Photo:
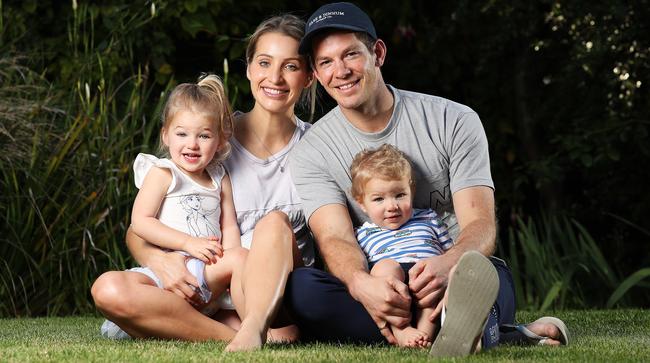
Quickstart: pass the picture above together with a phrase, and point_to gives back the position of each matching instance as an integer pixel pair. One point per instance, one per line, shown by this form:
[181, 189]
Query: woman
[265, 198]
[268, 212]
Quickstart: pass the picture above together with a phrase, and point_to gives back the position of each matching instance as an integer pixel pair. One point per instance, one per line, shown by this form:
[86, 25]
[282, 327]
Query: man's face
[346, 69]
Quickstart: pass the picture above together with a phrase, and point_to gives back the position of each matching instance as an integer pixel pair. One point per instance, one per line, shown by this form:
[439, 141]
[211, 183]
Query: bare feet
[251, 336]
[550, 331]
[411, 338]
[286, 334]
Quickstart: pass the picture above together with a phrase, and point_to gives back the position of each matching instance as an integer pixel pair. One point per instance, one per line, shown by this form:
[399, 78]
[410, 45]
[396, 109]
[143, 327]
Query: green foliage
[630, 282]
[557, 264]
[66, 191]
[66, 203]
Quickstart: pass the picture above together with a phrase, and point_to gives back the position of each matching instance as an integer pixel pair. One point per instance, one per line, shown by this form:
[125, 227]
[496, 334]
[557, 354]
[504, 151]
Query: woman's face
[277, 73]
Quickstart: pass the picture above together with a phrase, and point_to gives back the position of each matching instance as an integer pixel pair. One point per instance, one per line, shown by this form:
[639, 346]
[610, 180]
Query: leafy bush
[557, 264]
[66, 187]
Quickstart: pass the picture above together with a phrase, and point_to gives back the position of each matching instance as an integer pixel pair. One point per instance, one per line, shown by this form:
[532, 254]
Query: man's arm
[474, 209]
[385, 298]
[169, 267]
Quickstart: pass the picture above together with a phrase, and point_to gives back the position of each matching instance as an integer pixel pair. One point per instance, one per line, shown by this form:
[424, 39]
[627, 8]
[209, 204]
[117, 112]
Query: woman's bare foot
[411, 338]
[251, 336]
[286, 334]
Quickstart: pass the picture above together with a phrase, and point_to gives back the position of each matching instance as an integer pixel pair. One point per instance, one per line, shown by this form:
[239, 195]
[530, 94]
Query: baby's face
[388, 203]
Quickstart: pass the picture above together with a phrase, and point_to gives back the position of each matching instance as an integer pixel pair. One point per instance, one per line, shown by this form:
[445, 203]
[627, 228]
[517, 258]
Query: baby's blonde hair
[385, 162]
[207, 97]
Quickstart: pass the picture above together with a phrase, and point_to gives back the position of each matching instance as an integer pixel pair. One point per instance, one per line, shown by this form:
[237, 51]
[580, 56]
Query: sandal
[471, 293]
[520, 334]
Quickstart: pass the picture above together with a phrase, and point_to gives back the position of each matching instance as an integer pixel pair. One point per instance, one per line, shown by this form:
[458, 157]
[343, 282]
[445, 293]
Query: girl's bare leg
[407, 336]
[219, 275]
[272, 256]
[132, 301]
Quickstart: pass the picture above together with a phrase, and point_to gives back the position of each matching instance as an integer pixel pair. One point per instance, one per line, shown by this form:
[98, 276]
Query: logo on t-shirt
[403, 233]
[440, 198]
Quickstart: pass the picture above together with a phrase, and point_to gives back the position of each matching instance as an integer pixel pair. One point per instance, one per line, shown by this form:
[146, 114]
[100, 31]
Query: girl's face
[193, 141]
[277, 73]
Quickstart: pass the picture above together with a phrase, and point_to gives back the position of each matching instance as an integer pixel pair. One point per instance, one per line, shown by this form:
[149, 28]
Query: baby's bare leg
[408, 336]
[425, 325]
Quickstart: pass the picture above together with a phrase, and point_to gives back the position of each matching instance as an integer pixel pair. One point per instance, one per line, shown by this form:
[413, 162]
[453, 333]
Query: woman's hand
[171, 270]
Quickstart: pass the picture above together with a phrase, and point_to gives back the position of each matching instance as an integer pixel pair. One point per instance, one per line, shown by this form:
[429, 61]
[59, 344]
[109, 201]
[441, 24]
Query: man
[446, 143]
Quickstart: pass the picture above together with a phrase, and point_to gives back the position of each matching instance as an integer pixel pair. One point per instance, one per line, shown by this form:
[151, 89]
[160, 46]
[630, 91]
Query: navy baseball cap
[346, 16]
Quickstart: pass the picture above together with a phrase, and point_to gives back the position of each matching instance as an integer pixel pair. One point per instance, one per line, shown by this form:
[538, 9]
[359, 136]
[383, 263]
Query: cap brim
[305, 43]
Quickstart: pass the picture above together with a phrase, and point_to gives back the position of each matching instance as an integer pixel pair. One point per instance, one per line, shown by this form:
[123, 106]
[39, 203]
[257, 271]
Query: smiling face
[388, 203]
[277, 73]
[192, 142]
[348, 71]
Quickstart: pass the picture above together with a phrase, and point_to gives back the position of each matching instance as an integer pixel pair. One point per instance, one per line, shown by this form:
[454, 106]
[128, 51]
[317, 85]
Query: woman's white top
[260, 186]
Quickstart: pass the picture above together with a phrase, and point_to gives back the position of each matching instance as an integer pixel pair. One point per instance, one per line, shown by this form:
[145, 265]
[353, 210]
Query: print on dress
[197, 222]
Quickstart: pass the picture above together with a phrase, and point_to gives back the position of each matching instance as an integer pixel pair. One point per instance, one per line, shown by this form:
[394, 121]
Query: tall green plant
[66, 200]
[557, 264]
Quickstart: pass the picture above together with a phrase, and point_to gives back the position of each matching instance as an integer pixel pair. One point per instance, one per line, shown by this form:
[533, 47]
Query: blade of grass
[627, 284]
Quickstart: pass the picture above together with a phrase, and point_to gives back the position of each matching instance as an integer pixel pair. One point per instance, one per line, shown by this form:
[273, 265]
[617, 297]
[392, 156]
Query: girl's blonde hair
[294, 27]
[207, 98]
[386, 162]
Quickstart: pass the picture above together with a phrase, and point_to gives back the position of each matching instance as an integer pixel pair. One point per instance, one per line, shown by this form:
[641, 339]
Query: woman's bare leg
[228, 317]
[132, 301]
[271, 257]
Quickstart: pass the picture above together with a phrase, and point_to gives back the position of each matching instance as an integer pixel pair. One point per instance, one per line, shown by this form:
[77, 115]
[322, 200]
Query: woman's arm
[169, 267]
[230, 233]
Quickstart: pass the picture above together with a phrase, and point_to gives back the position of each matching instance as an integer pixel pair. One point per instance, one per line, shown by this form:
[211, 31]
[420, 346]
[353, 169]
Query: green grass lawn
[606, 336]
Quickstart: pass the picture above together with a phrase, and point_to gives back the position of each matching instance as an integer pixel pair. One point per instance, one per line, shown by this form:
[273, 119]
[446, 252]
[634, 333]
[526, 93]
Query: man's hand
[172, 272]
[428, 279]
[386, 299]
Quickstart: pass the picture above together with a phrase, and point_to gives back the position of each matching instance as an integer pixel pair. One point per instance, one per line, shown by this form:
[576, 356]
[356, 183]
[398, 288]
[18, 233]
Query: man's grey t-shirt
[444, 141]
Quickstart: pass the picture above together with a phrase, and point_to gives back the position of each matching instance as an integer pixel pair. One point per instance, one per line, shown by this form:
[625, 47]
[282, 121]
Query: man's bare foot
[411, 338]
[286, 334]
[251, 336]
[549, 331]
